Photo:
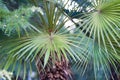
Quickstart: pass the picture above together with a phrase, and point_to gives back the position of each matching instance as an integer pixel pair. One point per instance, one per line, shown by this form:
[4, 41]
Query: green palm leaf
[51, 44]
[102, 24]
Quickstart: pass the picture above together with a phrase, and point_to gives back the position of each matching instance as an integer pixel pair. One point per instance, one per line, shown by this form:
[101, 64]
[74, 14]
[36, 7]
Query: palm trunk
[59, 71]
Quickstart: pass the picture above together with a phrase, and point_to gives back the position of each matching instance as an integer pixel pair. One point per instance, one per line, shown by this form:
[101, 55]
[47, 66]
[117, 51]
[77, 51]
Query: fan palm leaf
[102, 24]
[51, 43]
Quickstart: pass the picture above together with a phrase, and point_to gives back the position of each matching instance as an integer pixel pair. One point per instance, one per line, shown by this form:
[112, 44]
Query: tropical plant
[36, 34]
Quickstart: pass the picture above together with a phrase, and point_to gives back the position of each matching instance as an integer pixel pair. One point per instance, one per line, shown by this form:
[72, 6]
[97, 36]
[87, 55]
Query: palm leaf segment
[103, 26]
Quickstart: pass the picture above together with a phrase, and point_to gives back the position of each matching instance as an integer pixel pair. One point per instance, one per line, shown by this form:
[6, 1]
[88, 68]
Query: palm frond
[102, 24]
[50, 45]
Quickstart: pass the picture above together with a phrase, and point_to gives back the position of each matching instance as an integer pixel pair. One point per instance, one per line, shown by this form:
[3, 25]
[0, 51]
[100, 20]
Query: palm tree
[38, 35]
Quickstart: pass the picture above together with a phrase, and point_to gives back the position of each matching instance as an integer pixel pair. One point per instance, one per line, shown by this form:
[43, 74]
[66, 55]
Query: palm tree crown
[37, 33]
